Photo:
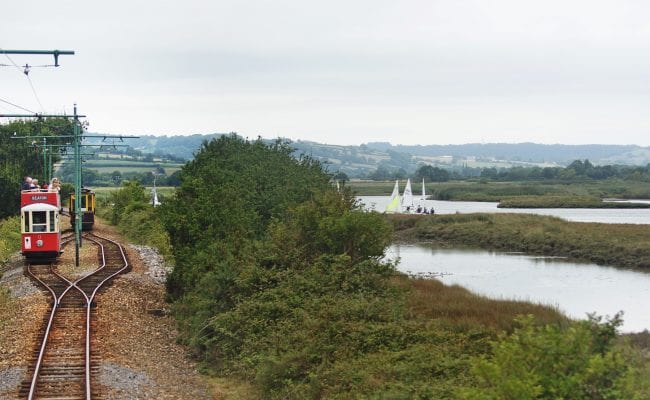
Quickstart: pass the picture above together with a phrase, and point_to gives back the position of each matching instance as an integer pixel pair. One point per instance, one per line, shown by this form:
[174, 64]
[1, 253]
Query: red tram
[39, 224]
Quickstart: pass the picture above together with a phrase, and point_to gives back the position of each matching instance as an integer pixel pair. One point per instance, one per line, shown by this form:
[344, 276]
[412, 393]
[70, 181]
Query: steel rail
[55, 304]
[89, 297]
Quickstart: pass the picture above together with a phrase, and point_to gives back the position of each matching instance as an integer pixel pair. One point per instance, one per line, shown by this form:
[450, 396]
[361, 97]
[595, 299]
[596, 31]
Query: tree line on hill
[91, 177]
[577, 170]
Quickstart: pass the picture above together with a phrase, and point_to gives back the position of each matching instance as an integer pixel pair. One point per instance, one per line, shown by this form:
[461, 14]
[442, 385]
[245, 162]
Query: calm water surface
[577, 289]
[608, 216]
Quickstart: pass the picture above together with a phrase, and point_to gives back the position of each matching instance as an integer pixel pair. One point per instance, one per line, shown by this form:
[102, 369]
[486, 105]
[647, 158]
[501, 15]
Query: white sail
[424, 195]
[154, 197]
[407, 198]
[394, 205]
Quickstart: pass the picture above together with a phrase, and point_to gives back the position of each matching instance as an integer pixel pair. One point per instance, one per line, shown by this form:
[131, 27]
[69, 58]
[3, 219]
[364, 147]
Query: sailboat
[407, 198]
[154, 194]
[394, 205]
[424, 195]
[154, 198]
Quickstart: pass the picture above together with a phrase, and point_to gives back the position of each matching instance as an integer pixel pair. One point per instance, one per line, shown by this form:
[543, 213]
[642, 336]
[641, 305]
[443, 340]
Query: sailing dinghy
[394, 206]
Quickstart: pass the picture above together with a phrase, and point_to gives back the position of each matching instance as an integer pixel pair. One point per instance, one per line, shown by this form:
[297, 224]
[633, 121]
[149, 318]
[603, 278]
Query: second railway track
[65, 364]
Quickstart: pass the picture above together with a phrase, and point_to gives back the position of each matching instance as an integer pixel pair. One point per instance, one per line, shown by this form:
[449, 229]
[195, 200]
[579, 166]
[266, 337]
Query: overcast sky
[341, 72]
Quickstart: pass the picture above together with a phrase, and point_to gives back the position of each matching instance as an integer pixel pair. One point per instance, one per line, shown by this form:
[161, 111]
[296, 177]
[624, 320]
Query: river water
[576, 289]
[604, 215]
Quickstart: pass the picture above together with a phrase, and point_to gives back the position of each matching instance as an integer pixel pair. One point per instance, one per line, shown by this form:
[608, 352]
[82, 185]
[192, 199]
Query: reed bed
[619, 245]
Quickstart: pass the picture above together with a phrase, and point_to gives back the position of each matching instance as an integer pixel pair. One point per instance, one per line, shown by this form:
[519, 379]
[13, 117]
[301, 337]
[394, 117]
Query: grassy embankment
[9, 237]
[9, 244]
[584, 194]
[621, 245]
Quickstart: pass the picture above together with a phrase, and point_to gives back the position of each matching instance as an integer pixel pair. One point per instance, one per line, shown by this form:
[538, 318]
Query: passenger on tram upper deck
[34, 185]
[55, 185]
[27, 183]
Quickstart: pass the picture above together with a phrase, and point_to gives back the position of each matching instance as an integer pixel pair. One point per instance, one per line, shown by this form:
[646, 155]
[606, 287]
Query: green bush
[9, 237]
[552, 362]
[136, 218]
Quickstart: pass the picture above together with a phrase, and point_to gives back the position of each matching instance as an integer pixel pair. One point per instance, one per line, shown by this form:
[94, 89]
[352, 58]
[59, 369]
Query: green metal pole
[44, 159]
[77, 185]
[50, 170]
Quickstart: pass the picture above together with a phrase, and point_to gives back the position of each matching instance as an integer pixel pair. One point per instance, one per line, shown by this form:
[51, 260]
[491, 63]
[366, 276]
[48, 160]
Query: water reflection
[574, 288]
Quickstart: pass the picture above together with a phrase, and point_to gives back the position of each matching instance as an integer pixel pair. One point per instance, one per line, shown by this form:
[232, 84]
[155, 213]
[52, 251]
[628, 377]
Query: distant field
[125, 169]
[125, 166]
[102, 193]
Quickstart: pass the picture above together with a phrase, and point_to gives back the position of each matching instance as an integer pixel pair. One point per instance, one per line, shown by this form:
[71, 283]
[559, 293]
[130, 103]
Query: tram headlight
[39, 243]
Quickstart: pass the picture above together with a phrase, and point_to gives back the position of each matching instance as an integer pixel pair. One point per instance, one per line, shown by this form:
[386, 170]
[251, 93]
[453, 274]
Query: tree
[233, 189]
[432, 174]
[380, 174]
[341, 176]
[20, 157]
[131, 195]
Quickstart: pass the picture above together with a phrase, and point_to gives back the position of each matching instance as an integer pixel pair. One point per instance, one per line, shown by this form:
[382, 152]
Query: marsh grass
[461, 309]
[550, 201]
[620, 245]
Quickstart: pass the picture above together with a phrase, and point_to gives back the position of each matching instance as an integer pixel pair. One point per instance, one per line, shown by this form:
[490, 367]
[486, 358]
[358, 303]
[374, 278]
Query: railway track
[64, 364]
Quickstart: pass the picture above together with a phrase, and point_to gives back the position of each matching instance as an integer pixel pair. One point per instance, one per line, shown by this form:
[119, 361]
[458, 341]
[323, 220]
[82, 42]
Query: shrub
[551, 362]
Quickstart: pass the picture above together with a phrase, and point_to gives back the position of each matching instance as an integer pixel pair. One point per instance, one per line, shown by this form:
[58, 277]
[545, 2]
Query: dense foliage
[577, 362]
[230, 193]
[20, 157]
[130, 209]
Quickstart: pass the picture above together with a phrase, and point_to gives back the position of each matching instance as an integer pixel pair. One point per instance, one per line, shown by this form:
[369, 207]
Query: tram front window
[39, 221]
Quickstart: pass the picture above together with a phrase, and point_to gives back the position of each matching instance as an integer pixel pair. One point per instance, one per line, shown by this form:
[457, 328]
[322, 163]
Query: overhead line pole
[77, 184]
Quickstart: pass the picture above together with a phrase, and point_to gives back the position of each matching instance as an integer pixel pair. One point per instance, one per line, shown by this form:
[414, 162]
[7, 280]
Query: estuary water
[576, 289]
[603, 215]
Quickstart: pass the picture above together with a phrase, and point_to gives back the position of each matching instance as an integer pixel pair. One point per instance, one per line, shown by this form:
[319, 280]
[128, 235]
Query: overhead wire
[25, 72]
[35, 94]
[17, 106]
[12, 62]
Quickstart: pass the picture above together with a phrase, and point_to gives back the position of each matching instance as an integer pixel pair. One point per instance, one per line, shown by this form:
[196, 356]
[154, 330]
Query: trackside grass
[9, 238]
